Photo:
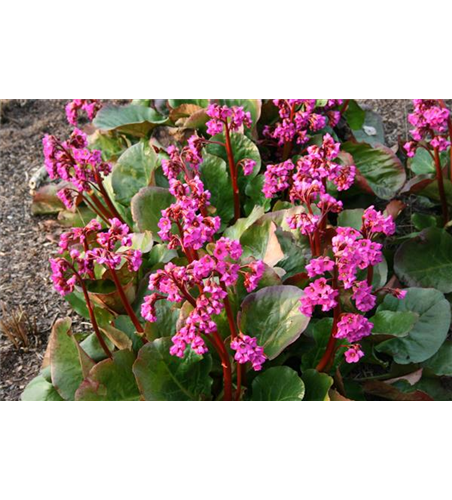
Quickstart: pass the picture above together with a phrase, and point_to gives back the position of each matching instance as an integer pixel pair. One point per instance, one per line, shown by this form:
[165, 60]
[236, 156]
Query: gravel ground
[26, 242]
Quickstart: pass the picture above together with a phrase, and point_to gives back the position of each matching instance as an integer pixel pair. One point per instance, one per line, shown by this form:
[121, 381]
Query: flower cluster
[210, 276]
[234, 118]
[299, 117]
[353, 251]
[430, 122]
[185, 161]
[89, 246]
[73, 162]
[89, 106]
[248, 351]
[189, 215]
[307, 180]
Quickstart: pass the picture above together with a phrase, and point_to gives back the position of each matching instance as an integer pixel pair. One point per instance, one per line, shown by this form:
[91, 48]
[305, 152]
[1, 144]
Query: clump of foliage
[247, 250]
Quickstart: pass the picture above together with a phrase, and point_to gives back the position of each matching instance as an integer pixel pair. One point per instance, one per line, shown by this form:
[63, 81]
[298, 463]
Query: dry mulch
[27, 242]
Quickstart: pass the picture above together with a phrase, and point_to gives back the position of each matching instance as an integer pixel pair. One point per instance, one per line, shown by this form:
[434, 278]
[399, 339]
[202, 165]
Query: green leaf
[422, 162]
[39, 389]
[429, 331]
[215, 176]
[273, 316]
[65, 361]
[426, 260]
[147, 208]
[355, 115]
[351, 218]
[296, 253]
[260, 241]
[134, 120]
[423, 221]
[133, 171]
[162, 377]
[432, 191]
[380, 167]
[441, 363]
[235, 232]
[317, 385]
[167, 317]
[175, 103]
[93, 349]
[254, 190]
[395, 323]
[280, 383]
[111, 380]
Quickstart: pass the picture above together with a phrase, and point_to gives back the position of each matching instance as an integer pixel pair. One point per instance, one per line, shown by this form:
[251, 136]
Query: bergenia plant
[432, 132]
[243, 250]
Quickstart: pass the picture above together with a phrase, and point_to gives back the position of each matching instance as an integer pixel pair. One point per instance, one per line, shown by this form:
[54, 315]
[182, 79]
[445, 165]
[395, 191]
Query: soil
[27, 242]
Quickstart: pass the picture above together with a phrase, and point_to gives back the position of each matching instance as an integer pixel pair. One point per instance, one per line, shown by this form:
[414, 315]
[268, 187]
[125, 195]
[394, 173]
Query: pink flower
[225, 248]
[306, 223]
[60, 277]
[362, 295]
[354, 354]
[90, 106]
[248, 166]
[318, 293]
[68, 197]
[148, 307]
[318, 267]
[277, 178]
[353, 327]
[253, 277]
[247, 351]
[374, 222]
[235, 117]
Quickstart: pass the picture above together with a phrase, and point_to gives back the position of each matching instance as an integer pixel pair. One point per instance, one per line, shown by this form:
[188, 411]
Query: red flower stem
[92, 316]
[226, 365]
[442, 193]
[98, 208]
[106, 198]
[126, 303]
[328, 358]
[443, 105]
[370, 275]
[241, 371]
[345, 106]
[230, 315]
[92, 207]
[233, 171]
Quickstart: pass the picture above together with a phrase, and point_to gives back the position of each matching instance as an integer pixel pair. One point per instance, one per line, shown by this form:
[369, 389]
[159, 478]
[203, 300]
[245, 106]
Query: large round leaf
[40, 389]
[133, 171]
[133, 120]
[427, 334]
[426, 260]
[162, 377]
[273, 316]
[441, 363]
[147, 208]
[68, 361]
[111, 380]
[380, 167]
[280, 383]
[317, 385]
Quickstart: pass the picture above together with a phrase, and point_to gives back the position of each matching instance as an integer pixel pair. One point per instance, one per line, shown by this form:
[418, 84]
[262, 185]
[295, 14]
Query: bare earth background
[27, 242]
